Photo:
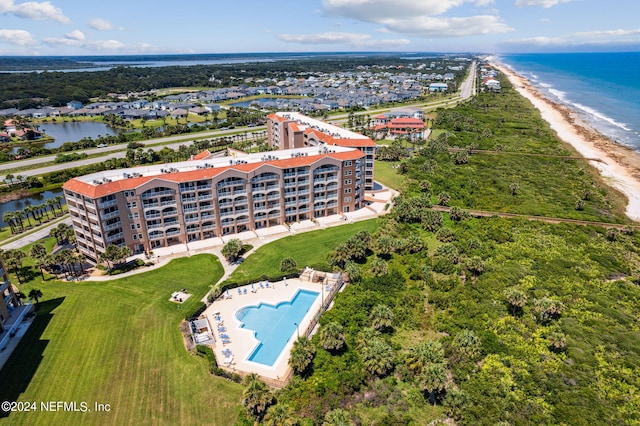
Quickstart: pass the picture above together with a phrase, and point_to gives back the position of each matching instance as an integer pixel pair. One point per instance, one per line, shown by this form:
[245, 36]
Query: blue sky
[82, 27]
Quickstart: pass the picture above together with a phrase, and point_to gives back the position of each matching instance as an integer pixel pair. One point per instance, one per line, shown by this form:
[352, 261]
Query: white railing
[105, 204]
[106, 216]
[157, 193]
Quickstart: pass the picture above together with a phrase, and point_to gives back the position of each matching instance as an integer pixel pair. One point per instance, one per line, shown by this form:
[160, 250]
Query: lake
[260, 101]
[34, 200]
[73, 132]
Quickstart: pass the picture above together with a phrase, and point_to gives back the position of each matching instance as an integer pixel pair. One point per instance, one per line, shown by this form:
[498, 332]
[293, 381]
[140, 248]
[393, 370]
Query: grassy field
[118, 343]
[387, 175]
[308, 248]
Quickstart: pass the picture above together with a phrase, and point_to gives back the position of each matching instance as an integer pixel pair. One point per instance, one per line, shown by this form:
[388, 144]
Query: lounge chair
[245, 291]
[222, 329]
[267, 284]
[239, 291]
[261, 285]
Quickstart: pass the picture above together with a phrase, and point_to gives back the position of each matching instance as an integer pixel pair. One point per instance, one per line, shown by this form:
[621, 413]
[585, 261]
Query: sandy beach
[620, 167]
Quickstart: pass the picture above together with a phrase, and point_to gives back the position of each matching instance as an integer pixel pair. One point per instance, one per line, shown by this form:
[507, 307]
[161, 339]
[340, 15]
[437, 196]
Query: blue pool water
[274, 326]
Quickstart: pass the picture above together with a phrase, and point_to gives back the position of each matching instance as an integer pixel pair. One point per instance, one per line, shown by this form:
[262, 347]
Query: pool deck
[243, 341]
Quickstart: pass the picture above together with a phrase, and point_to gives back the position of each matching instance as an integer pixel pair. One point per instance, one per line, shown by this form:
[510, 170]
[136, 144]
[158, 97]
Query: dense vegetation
[483, 320]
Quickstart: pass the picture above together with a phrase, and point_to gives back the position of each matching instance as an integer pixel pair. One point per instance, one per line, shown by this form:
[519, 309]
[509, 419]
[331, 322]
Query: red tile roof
[94, 191]
[202, 155]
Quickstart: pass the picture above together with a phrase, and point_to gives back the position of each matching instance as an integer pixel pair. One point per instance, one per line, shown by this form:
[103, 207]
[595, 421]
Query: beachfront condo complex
[154, 206]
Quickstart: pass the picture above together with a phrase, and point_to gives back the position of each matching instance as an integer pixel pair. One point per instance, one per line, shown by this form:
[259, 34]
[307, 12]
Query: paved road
[34, 236]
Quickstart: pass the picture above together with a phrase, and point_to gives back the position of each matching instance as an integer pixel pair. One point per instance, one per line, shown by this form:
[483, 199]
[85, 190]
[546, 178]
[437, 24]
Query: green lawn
[387, 175]
[309, 248]
[118, 343]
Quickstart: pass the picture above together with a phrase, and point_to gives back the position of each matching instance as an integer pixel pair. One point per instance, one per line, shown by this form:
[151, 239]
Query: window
[133, 227]
[348, 163]
[348, 181]
[347, 199]
[345, 209]
[136, 215]
[347, 172]
[135, 237]
[139, 236]
[347, 190]
[138, 225]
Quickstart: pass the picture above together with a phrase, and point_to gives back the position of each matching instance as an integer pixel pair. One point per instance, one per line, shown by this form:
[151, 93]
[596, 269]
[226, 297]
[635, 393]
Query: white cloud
[75, 40]
[374, 10]
[75, 35]
[542, 3]
[38, 11]
[419, 18]
[616, 33]
[426, 26]
[352, 39]
[103, 25]
[577, 40]
[17, 37]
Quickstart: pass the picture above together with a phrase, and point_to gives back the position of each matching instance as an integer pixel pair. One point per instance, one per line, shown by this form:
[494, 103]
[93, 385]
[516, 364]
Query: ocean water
[603, 88]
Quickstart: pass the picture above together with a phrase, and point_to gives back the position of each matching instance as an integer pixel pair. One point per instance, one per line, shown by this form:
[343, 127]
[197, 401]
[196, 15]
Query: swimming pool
[274, 326]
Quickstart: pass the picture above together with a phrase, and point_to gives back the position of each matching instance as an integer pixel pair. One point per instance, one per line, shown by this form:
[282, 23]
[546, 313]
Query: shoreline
[621, 165]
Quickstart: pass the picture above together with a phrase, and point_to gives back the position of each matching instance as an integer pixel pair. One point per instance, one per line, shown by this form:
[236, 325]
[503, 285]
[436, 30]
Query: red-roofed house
[414, 127]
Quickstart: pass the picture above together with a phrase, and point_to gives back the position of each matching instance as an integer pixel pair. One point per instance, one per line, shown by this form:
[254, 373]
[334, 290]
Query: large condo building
[163, 205]
[11, 309]
[288, 130]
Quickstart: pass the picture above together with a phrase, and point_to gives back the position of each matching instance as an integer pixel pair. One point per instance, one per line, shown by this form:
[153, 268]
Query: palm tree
[433, 379]
[38, 251]
[467, 344]
[332, 336]
[14, 258]
[41, 264]
[381, 317]
[256, 396]
[8, 179]
[35, 294]
[426, 352]
[58, 202]
[51, 203]
[301, 355]
[338, 417]
[516, 300]
[280, 415]
[25, 213]
[377, 357]
[9, 219]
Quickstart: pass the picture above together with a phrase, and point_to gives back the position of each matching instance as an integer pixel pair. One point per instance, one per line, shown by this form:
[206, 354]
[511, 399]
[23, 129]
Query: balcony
[156, 236]
[154, 226]
[205, 197]
[106, 216]
[273, 197]
[112, 226]
[172, 233]
[157, 194]
[191, 219]
[206, 227]
[149, 205]
[105, 204]
[239, 191]
[189, 210]
[115, 236]
[168, 203]
[290, 184]
[200, 187]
